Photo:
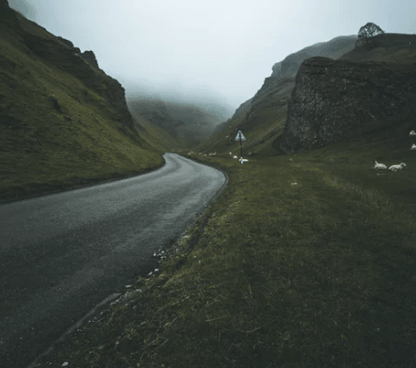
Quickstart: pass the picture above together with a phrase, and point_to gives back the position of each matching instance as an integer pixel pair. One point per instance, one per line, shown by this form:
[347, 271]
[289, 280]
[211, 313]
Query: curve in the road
[62, 254]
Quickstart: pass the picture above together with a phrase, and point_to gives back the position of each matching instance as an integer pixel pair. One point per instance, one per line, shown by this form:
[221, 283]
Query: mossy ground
[275, 274]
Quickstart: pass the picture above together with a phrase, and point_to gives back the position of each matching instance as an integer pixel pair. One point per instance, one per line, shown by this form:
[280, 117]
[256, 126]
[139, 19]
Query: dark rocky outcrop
[339, 99]
[89, 56]
[267, 109]
[62, 54]
[7, 15]
[270, 95]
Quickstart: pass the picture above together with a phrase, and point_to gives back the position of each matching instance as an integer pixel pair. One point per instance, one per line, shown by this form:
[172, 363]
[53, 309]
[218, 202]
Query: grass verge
[276, 274]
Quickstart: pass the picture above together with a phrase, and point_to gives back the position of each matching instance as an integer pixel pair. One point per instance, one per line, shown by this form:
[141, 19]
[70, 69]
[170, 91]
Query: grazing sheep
[397, 167]
[413, 148]
[412, 132]
[378, 166]
[235, 157]
[230, 153]
[212, 153]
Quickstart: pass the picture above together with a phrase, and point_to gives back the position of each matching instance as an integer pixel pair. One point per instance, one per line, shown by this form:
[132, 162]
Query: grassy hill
[188, 124]
[63, 122]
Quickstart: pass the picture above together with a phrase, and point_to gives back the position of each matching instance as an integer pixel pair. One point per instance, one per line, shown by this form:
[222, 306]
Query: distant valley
[188, 124]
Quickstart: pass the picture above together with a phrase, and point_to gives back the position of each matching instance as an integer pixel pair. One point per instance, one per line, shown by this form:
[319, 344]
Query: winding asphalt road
[61, 254]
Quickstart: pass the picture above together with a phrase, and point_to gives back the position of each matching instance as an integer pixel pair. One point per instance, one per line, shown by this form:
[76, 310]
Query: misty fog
[215, 52]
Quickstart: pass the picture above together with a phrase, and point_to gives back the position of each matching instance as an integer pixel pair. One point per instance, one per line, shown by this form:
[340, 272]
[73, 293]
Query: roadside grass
[275, 274]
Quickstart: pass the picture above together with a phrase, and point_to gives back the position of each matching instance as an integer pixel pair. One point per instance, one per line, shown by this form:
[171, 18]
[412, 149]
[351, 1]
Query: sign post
[240, 137]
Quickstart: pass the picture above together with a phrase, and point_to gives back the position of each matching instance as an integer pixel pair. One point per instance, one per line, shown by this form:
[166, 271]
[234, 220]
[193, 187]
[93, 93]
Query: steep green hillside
[158, 137]
[63, 122]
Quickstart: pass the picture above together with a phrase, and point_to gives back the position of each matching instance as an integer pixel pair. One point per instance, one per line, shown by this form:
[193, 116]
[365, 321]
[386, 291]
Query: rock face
[84, 66]
[338, 99]
[62, 54]
[284, 73]
[89, 56]
[7, 15]
[267, 109]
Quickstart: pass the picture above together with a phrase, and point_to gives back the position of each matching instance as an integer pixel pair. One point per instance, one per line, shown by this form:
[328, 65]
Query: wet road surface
[60, 255]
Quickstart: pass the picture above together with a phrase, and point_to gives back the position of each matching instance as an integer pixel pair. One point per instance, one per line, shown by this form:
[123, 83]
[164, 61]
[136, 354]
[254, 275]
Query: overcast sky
[219, 49]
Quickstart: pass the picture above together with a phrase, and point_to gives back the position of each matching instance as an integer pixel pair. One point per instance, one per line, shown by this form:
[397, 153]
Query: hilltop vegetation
[63, 122]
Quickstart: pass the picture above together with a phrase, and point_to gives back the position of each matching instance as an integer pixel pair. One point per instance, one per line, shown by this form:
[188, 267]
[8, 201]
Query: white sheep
[230, 153]
[235, 157]
[412, 133]
[378, 166]
[397, 167]
[413, 148]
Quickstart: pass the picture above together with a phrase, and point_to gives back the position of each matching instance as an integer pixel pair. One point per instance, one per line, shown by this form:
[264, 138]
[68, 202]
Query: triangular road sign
[240, 135]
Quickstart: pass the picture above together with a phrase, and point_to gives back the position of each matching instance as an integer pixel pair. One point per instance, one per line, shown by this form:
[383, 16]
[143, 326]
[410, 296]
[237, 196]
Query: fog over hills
[188, 123]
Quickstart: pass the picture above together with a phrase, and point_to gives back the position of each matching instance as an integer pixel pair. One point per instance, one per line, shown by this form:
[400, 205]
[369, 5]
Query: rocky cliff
[63, 55]
[340, 99]
[262, 117]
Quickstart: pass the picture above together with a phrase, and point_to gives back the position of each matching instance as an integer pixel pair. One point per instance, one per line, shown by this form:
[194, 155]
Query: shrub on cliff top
[366, 34]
